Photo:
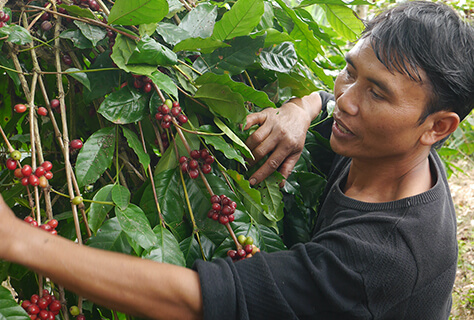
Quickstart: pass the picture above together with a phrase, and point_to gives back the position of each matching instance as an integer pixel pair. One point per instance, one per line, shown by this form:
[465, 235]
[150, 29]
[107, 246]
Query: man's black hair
[430, 36]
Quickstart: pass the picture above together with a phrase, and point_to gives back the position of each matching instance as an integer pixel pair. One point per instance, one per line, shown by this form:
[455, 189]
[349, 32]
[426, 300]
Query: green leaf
[240, 20]
[137, 147]
[259, 98]
[16, 34]
[172, 33]
[344, 21]
[300, 85]
[164, 83]
[167, 249]
[281, 58]
[272, 197]
[234, 60]
[335, 2]
[93, 33]
[233, 137]
[77, 11]
[103, 82]
[98, 211]
[122, 50]
[95, 156]
[150, 52]
[77, 38]
[191, 250]
[200, 21]
[9, 308]
[136, 12]
[135, 224]
[124, 106]
[206, 46]
[223, 101]
[121, 196]
[147, 29]
[220, 144]
[111, 237]
[81, 77]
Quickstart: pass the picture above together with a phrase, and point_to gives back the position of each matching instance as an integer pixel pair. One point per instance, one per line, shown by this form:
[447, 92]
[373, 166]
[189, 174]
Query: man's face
[377, 111]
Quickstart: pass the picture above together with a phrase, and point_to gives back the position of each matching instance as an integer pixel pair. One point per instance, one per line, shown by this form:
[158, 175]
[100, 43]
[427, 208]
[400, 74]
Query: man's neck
[384, 181]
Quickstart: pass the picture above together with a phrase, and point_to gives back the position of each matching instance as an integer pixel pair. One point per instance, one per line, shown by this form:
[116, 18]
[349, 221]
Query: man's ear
[440, 125]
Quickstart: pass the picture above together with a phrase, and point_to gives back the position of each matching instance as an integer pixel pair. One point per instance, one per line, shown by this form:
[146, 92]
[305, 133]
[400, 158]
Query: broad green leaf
[95, 156]
[240, 20]
[93, 33]
[101, 83]
[4, 61]
[135, 224]
[77, 11]
[223, 101]
[191, 250]
[268, 239]
[274, 37]
[335, 2]
[300, 86]
[172, 33]
[136, 145]
[124, 106]
[233, 137]
[121, 196]
[200, 21]
[219, 143]
[98, 211]
[147, 29]
[206, 46]
[167, 186]
[136, 12]
[233, 60]
[344, 21]
[80, 76]
[167, 249]
[16, 34]
[259, 98]
[281, 58]
[122, 50]
[110, 237]
[164, 83]
[150, 52]
[77, 38]
[9, 308]
[272, 197]
[312, 187]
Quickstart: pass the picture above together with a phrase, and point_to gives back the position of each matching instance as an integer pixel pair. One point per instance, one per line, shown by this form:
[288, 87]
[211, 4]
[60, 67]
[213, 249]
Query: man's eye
[375, 95]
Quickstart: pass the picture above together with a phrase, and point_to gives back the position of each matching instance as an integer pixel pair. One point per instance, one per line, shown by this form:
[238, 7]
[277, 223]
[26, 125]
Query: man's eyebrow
[382, 85]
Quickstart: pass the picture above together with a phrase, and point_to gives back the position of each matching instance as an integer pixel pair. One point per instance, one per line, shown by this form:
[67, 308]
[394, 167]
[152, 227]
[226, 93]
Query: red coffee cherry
[48, 175]
[33, 180]
[76, 144]
[19, 108]
[193, 173]
[40, 171]
[47, 165]
[54, 103]
[26, 170]
[11, 164]
[42, 111]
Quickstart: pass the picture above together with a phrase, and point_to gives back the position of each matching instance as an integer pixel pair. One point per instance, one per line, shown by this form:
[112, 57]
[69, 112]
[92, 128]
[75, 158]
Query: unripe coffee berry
[77, 200]
[15, 155]
[74, 310]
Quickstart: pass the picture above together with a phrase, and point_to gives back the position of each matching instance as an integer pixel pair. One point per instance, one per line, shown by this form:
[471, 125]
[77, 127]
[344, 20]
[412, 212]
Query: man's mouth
[342, 128]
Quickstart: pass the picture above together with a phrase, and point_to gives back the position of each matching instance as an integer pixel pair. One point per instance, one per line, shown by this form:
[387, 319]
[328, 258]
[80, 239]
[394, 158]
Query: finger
[271, 165]
[258, 137]
[255, 118]
[286, 168]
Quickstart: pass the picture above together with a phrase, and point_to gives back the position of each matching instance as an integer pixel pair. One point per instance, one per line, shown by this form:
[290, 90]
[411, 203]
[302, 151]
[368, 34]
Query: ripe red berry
[226, 210]
[175, 104]
[19, 108]
[26, 303]
[94, 5]
[11, 164]
[76, 144]
[248, 248]
[67, 60]
[33, 180]
[45, 227]
[47, 165]
[166, 118]
[137, 83]
[17, 173]
[204, 153]
[195, 154]
[215, 198]
[54, 103]
[33, 309]
[232, 254]
[183, 159]
[231, 217]
[184, 166]
[209, 159]
[216, 206]
[182, 119]
[53, 223]
[193, 173]
[81, 317]
[241, 253]
[206, 168]
[42, 111]
[25, 181]
[40, 171]
[55, 306]
[147, 87]
[26, 170]
[193, 164]
[165, 109]
[48, 175]
[42, 302]
[159, 116]
[223, 219]
[175, 111]
[165, 124]
[44, 314]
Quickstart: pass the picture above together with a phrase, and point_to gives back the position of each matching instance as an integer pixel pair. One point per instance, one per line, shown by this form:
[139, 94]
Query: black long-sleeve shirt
[393, 260]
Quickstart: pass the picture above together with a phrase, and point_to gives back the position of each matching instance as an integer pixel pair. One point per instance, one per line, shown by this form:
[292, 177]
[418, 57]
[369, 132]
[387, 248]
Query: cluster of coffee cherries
[92, 4]
[4, 17]
[49, 226]
[40, 176]
[247, 251]
[44, 308]
[199, 158]
[222, 209]
[142, 83]
[20, 108]
[170, 109]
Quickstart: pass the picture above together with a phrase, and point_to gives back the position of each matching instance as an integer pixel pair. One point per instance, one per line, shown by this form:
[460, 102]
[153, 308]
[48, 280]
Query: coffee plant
[121, 129]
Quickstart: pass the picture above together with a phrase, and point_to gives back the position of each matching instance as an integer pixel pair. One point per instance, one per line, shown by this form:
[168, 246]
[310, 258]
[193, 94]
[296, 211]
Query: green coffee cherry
[15, 155]
[77, 200]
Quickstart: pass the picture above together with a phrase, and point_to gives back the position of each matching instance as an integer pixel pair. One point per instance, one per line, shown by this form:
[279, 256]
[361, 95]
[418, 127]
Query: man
[384, 245]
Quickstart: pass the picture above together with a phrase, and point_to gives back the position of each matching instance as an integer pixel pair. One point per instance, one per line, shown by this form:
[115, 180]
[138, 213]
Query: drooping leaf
[233, 137]
[272, 197]
[95, 156]
[77, 38]
[98, 211]
[137, 12]
[344, 21]
[220, 144]
[122, 50]
[77, 11]
[240, 20]
[9, 308]
[250, 94]
[164, 83]
[80, 76]
[93, 33]
[16, 34]
[167, 249]
[124, 106]
[223, 101]
[281, 58]
[110, 237]
[136, 145]
[150, 52]
[121, 196]
[135, 224]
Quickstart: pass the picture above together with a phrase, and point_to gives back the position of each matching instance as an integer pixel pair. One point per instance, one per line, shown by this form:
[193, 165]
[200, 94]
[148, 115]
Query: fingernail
[253, 181]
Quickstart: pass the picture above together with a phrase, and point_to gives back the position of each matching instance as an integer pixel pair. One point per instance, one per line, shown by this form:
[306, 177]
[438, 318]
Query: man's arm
[282, 132]
[117, 281]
